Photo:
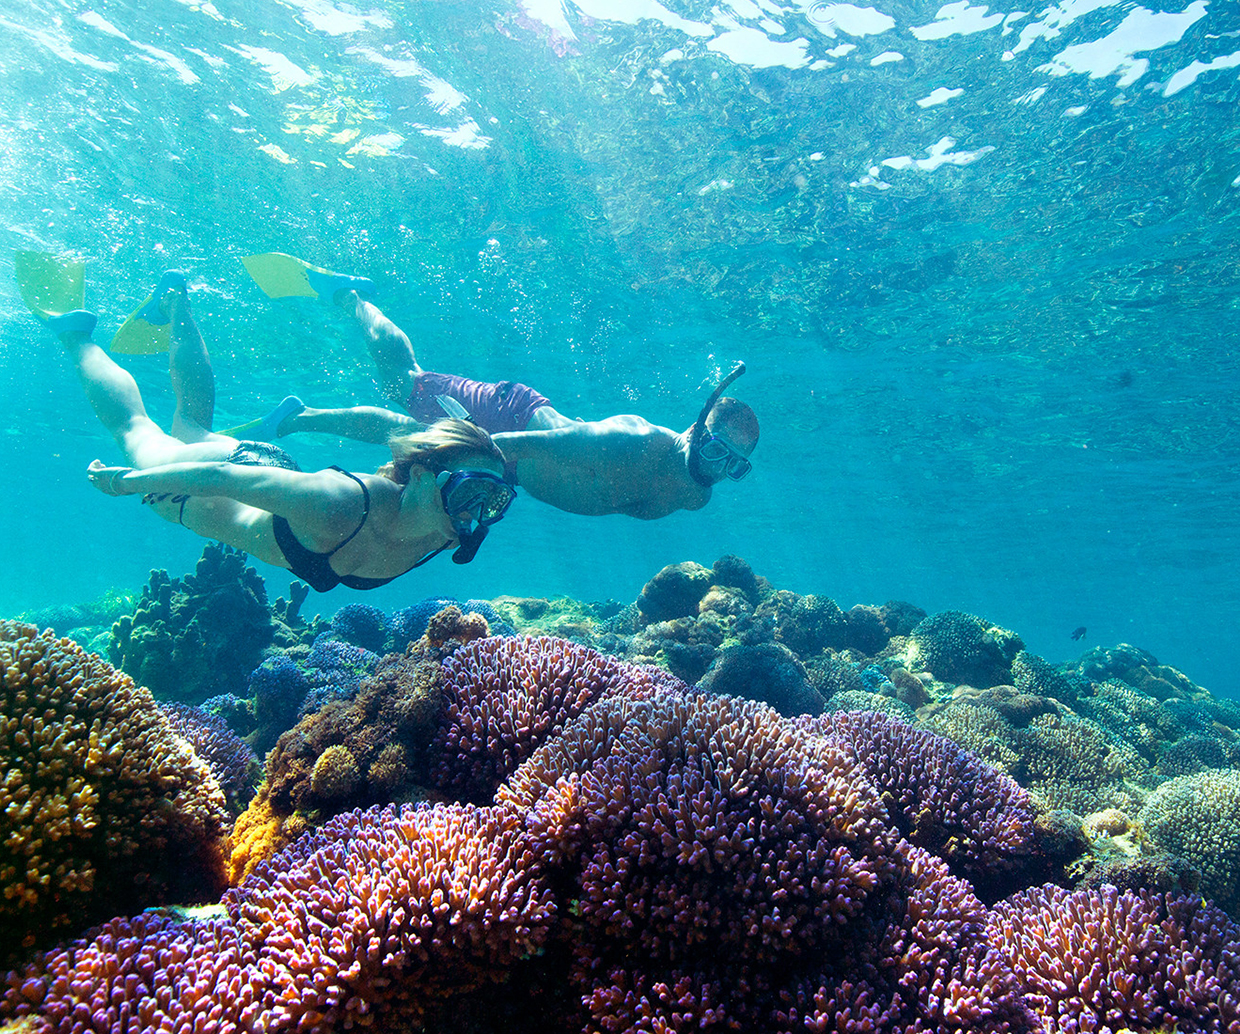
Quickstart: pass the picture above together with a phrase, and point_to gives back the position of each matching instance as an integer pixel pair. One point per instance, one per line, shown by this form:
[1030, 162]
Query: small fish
[1079, 633]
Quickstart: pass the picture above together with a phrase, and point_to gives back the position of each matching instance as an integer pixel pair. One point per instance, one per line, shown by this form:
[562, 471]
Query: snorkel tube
[699, 428]
[470, 541]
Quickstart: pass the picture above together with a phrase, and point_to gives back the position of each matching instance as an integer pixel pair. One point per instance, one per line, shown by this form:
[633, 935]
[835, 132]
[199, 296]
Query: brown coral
[103, 809]
[335, 776]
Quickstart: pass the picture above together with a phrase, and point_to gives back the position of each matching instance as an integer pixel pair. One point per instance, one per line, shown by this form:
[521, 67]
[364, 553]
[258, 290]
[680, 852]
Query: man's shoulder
[631, 424]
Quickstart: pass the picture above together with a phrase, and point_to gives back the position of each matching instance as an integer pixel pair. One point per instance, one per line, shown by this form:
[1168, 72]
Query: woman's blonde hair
[441, 446]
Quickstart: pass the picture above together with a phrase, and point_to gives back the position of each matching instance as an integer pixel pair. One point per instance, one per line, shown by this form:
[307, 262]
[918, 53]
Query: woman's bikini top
[315, 569]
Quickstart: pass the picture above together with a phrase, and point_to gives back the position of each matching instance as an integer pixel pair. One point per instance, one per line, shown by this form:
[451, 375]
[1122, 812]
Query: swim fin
[50, 285]
[148, 330]
[283, 276]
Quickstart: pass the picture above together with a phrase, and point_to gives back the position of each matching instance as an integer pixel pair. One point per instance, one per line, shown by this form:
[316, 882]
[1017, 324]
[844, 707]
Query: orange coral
[258, 834]
[103, 809]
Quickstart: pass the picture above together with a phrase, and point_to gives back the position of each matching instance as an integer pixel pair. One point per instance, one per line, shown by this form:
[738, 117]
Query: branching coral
[102, 808]
[1198, 818]
[959, 647]
[232, 761]
[1101, 960]
[503, 698]
[941, 797]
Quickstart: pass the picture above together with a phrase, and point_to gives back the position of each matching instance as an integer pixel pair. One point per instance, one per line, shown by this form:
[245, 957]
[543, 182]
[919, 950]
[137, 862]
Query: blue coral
[362, 626]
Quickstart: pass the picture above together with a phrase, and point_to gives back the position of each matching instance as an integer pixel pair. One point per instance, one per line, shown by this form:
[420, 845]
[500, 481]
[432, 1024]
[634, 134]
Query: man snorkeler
[622, 464]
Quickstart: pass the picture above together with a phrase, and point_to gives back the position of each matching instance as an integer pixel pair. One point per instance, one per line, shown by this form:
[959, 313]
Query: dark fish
[1079, 633]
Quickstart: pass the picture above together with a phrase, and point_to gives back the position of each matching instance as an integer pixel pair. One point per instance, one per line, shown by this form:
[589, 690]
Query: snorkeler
[443, 487]
[622, 464]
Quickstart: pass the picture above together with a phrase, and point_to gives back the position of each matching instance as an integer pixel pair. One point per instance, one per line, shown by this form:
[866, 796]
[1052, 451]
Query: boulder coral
[103, 809]
[958, 647]
[198, 636]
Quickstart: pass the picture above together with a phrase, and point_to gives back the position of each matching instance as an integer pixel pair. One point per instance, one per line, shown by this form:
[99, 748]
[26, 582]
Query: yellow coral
[258, 834]
[102, 811]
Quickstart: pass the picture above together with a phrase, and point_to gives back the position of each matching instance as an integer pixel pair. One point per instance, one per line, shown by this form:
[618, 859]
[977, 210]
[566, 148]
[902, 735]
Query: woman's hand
[109, 480]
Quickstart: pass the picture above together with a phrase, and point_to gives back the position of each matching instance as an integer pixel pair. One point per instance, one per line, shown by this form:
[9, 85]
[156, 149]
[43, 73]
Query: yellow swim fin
[148, 330]
[50, 285]
[283, 276]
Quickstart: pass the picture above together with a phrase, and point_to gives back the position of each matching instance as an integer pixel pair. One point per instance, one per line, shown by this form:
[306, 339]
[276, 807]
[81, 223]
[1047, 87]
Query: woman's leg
[389, 347]
[189, 368]
[114, 396]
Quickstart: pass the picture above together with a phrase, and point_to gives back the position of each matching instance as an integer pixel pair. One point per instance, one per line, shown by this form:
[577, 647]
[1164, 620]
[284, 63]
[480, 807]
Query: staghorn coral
[151, 973]
[503, 698]
[199, 636]
[1197, 817]
[103, 810]
[940, 797]
[1101, 960]
[958, 647]
[231, 760]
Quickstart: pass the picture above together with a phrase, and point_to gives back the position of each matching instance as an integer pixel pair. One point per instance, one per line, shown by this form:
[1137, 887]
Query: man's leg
[389, 347]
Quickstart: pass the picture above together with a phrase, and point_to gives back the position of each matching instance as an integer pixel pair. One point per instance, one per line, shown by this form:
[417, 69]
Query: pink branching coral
[732, 870]
[504, 697]
[381, 912]
[1105, 961]
[941, 797]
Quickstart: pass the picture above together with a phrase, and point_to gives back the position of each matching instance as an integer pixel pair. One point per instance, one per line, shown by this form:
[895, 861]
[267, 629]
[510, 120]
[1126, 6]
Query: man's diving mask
[473, 501]
[717, 450]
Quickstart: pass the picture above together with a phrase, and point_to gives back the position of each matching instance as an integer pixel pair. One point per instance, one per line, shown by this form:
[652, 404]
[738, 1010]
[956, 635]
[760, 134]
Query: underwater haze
[981, 264]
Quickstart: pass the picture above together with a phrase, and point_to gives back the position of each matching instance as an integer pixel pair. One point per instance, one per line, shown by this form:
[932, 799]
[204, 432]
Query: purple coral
[731, 870]
[940, 796]
[503, 698]
[232, 761]
[385, 911]
[1102, 960]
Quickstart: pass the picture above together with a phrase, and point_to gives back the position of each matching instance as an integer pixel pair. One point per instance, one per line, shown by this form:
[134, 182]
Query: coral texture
[939, 796]
[199, 636]
[232, 761]
[102, 808]
[503, 698]
[1105, 961]
[732, 870]
[1198, 818]
[960, 647]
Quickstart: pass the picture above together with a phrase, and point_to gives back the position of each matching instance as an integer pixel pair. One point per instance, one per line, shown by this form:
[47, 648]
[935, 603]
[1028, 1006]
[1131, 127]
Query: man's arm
[360, 423]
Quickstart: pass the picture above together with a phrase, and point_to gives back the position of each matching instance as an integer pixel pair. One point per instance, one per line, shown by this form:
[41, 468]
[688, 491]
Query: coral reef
[102, 809]
[199, 636]
[674, 592]
[768, 672]
[1197, 817]
[940, 797]
[231, 760]
[258, 833]
[732, 870]
[503, 698]
[409, 623]
[361, 625]
[1103, 960]
[959, 647]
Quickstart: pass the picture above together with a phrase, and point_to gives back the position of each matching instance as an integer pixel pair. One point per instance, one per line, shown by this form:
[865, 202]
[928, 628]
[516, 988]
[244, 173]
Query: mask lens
[738, 468]
[716, 450]
[480, 494]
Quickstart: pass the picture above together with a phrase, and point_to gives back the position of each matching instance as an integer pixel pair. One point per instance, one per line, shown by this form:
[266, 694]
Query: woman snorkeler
[443, 487]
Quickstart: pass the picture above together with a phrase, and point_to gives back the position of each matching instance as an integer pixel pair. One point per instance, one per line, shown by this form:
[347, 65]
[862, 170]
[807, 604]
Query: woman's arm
[324, 503]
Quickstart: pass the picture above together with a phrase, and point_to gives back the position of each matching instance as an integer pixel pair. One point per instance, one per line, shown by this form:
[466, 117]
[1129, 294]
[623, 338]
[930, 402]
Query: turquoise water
[981, 264]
